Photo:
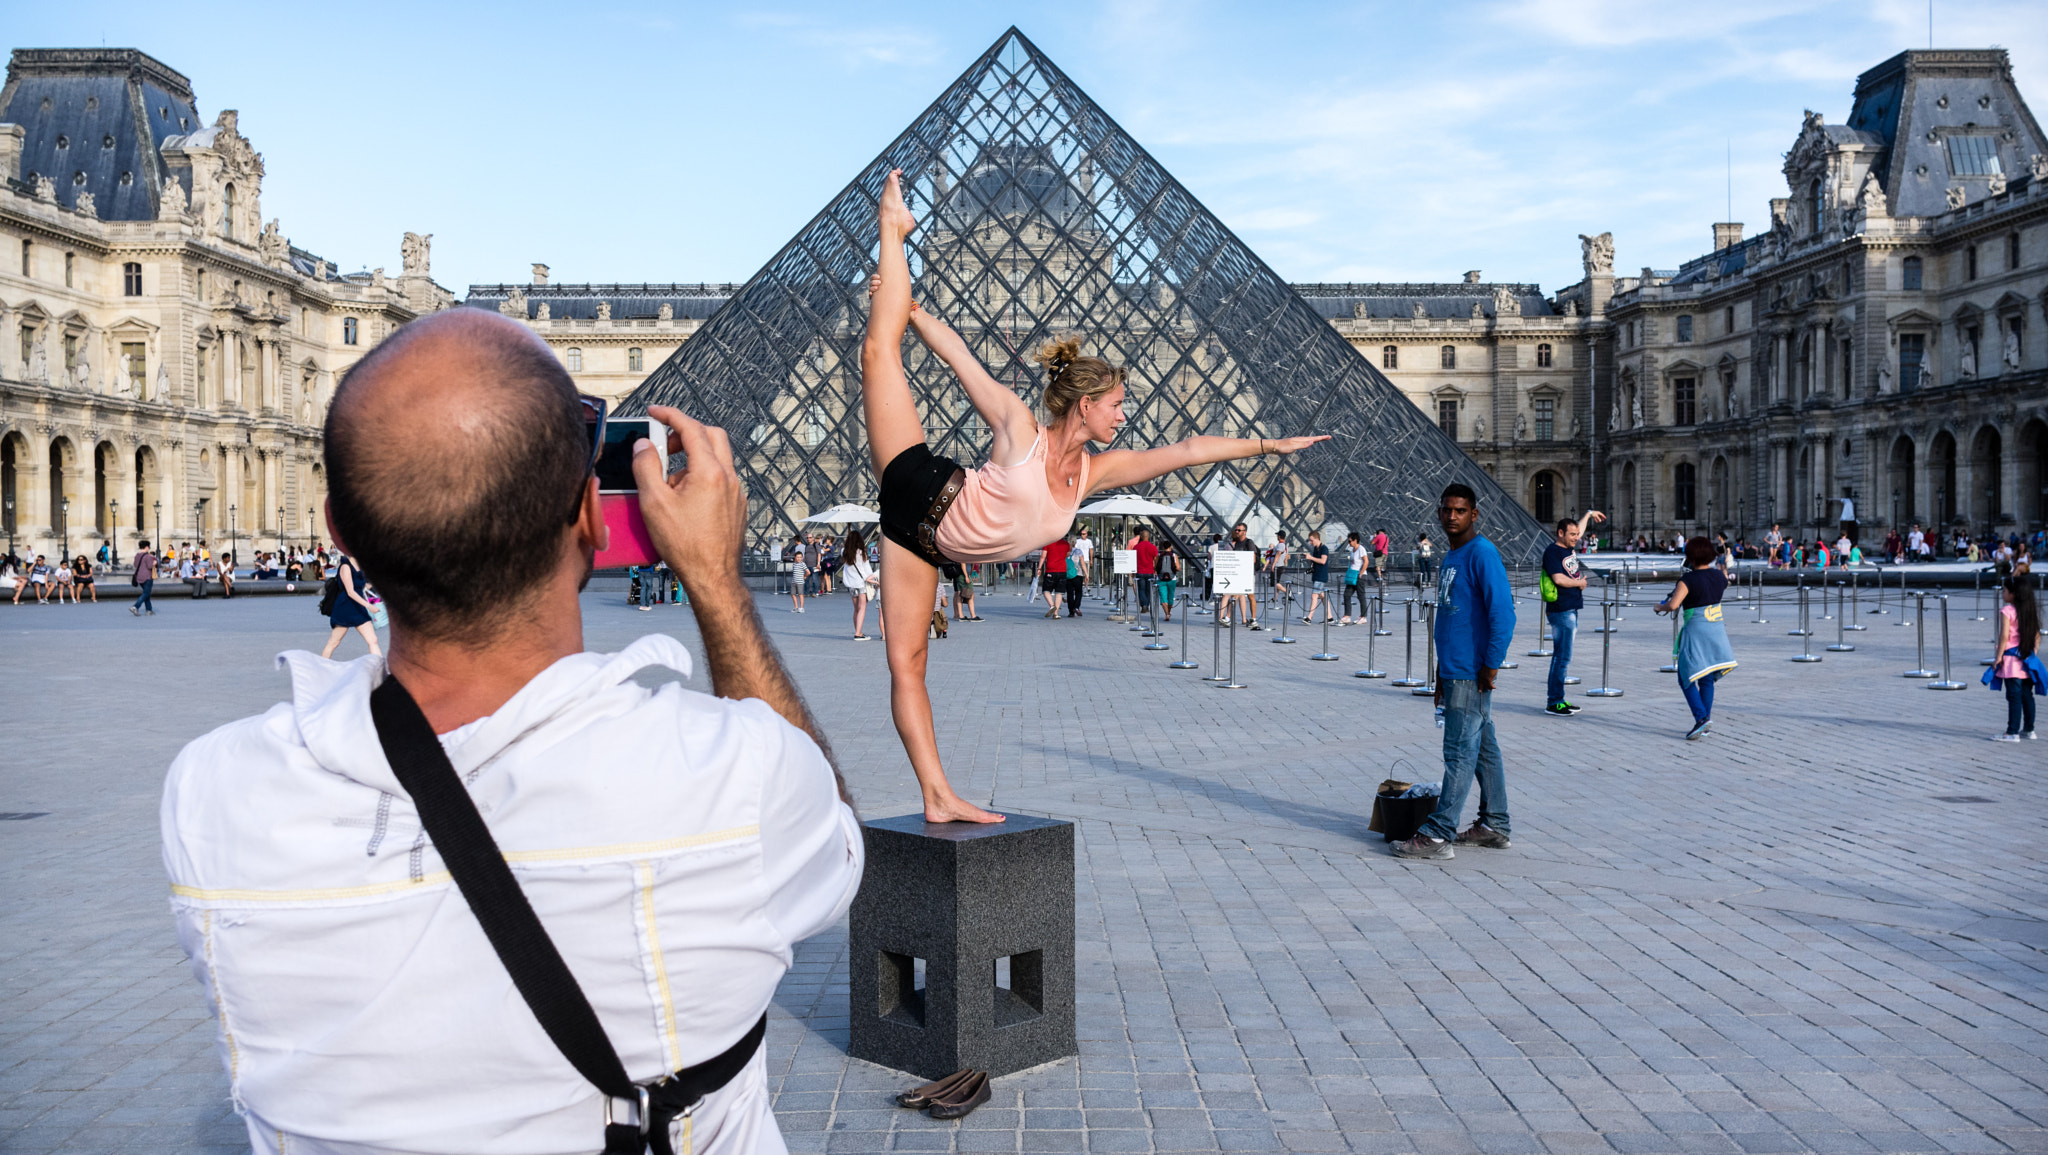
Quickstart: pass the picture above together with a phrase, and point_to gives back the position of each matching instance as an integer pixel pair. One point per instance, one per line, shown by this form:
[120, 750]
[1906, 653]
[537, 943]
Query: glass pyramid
[1040, 217]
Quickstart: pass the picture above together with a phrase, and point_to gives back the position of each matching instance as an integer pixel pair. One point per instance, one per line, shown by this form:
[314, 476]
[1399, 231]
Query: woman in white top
[225, 566]
[861, 580]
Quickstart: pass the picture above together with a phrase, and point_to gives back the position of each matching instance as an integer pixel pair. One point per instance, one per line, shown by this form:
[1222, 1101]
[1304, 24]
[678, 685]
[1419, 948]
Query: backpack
[329, 594]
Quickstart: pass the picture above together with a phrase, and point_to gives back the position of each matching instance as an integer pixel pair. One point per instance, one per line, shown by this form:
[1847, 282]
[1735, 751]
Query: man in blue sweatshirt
[1475, 622]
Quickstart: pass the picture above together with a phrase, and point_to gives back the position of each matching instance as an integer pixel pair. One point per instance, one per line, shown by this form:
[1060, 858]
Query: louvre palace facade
[166, 354]
[1884, 343]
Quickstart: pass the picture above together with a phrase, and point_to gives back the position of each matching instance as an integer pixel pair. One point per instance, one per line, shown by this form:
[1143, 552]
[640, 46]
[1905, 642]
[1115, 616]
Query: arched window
[575, 360]
[1685, 490]
[1543, 356]
[348, 330]
[634, 360]
[1450, 356]
[131, 279]
[227, 211]
[1390, 357]
[1909, 273]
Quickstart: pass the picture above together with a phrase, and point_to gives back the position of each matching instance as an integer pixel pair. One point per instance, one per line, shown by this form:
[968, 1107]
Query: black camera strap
[465, 844]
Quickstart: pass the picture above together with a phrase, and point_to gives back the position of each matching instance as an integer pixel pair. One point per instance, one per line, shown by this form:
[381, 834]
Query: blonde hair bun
[1059, 354]
[1070, 377]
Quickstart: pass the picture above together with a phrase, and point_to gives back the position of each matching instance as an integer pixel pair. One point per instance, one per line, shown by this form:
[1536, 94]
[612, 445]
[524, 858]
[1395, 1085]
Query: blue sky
[649, 142]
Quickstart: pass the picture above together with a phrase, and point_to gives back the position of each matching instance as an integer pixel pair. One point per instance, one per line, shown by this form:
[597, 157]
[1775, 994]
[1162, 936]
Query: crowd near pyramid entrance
[1040, 217]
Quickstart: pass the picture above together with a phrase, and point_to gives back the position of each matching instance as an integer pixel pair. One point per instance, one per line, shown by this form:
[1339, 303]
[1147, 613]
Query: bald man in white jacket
[674, 844]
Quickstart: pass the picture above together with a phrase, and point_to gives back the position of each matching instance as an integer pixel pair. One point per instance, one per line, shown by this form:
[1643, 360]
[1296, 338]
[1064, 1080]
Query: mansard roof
[1914, 102]
[1395, 300]
[629, 302]
[94, 116]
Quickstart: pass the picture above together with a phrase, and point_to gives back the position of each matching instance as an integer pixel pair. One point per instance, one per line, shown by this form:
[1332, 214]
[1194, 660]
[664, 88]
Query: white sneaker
[2005, 737]
[2029, 735]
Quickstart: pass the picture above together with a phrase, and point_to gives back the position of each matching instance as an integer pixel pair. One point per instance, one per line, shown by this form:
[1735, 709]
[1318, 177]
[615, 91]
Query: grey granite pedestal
[963, 946]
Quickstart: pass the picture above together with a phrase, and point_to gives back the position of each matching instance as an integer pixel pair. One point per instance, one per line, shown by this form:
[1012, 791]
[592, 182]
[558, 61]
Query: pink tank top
[1006, 511]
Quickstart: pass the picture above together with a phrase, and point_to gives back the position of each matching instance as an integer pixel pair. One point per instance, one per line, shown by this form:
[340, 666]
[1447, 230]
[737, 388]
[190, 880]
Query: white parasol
[846, 514]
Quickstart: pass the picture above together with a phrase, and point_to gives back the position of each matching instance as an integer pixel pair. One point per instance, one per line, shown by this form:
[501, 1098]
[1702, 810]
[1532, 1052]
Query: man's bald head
[455, 450]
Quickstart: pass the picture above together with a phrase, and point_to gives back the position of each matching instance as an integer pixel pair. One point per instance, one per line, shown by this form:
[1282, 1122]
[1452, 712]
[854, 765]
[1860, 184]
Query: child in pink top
[936, 514]
[2017, 669]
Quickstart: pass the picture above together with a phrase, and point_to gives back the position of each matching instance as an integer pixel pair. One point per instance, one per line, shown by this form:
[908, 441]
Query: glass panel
[1974, 155]
[1039, 217]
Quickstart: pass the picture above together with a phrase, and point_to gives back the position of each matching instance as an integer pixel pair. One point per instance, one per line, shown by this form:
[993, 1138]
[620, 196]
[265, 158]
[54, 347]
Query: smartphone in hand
[619, 493]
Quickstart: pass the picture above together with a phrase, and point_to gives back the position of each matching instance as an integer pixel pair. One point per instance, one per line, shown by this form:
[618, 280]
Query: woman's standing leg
[2018, 695]
[909, 586]
[1693, 699]
[369, 632]
[860, 613]
[334, 639]
[1706, 685]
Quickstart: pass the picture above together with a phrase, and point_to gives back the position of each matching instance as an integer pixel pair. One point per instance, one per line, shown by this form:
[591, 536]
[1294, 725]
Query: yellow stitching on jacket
[668, 1006]
[372, 890]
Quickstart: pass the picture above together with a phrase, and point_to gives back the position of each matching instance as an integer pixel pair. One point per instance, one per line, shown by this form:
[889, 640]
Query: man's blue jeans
[1469, 751]
[144, 602]
[1564, 624]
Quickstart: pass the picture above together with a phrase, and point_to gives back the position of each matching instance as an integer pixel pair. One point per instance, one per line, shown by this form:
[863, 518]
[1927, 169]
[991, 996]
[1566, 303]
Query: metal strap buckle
[643, 1107]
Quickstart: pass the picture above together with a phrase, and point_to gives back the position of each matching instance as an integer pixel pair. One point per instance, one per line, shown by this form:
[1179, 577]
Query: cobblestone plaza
[1821, 929]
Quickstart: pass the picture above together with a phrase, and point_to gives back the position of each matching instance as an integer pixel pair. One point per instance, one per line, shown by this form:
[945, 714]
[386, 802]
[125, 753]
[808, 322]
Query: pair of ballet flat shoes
[953, 1097]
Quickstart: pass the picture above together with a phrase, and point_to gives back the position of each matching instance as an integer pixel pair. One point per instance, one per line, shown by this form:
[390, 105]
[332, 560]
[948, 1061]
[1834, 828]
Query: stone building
[1501, 368]
[609, 337]
[166, 354]
[1878, 356]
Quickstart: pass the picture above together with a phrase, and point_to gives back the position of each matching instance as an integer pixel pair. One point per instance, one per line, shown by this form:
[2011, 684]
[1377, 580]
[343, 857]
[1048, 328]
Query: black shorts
[912, 484]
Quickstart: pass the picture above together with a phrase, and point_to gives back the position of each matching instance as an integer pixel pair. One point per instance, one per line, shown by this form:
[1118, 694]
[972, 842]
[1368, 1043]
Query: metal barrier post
[1371, 637]
[1805, 635]
[1379, 628]
[1428, 686]
[1880, 592]
[1603, 690]
[1760, 619]
[1186, 599]
[1628, 573]
[1946, 682]
[1325, 655]
[1232, 683]
[1855, 604]
[1978, 580]
[1902, 601]
[1920, 669]
[1606, 600]
[1671, 667]
[1216, 646]
[1408, 677]
[1153, 633]
[1841, 620]
[1286, 611]
[1542, 649]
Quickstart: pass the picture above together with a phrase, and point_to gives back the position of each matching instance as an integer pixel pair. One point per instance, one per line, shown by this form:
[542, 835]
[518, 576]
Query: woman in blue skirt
[351, 610]
[1703, 651]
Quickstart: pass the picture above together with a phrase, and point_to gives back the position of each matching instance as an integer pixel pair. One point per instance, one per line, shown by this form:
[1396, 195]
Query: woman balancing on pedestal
[936, 514]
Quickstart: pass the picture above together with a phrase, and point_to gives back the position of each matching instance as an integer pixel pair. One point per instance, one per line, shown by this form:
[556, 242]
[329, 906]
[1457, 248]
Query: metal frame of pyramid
[1040, 217]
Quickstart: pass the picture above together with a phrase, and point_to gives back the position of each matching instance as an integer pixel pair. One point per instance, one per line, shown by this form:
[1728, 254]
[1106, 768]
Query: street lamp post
[64, 516]
[10, 527]
[113, 533]
[280, 532]
[231, 528]
[156, 509]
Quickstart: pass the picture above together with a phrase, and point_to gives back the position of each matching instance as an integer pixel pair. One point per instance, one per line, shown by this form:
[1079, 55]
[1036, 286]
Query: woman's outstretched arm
[1117, 468]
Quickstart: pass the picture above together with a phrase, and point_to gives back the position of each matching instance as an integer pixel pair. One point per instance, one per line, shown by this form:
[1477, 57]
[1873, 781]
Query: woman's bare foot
[894, 215]
[954, 808]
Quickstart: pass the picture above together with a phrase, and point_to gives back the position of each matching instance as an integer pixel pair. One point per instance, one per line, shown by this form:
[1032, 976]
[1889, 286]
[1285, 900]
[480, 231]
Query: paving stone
[1736, 945]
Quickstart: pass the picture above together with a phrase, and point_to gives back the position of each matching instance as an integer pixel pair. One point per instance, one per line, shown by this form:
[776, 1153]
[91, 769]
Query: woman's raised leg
[893, 424]
[909, 585]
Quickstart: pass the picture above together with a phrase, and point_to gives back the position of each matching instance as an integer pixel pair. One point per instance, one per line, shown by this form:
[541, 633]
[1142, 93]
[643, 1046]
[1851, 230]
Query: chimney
[540, 273]
[1727, 234]
[1472, 277]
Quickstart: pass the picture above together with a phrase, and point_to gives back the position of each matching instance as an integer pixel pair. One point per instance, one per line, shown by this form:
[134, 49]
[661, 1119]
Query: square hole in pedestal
[901, 989]
[1019, 988]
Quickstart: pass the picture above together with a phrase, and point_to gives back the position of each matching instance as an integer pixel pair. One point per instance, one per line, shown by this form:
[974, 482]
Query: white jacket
[675, 845]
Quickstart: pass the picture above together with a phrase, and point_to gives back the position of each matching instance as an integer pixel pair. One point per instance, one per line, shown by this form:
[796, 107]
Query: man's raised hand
[696, 516]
